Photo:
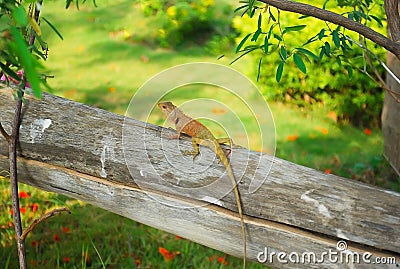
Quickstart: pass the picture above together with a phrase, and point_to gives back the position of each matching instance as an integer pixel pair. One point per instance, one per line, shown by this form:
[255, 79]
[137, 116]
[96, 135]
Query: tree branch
[46, 216]
[13, 144]
[393, 19]
[338, 19]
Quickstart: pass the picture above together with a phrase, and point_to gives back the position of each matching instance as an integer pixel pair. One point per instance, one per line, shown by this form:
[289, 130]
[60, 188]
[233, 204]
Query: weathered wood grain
[77, 150]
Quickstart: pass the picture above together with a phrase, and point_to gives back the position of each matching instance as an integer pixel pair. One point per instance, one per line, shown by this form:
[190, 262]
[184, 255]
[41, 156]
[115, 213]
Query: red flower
[328, 171]
[34, 207]
[34, 243]
[23, 194]
[56, 238]
[168, 256]
[367, 131]
[66, 259]
[222, 260]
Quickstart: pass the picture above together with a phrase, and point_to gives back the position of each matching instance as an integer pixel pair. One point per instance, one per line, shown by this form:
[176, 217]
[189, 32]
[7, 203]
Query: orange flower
[367, 131]
[23, 194]
[34, 207]
[219, 111]
[22, 210]
[168, 256]
[292, 137]
[65, 229]
[328, 171]
[323, 130]
[222, 260]
[112, 89]
[178, 237]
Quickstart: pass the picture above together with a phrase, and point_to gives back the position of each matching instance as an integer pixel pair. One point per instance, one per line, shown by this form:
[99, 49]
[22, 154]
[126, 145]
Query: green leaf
[271, 15]
[20, 16]
[242, 42]
[53, 28]
[360, 14]
[256, 35]
[259, 21]
[303, 17]
[321, 34]
[283, 53]
[251, 5]
[308, 52]
[27, 61]
[338, 60]
[266, 44]
[293, 28]
[239, 8]
[378, 20]
[278, 37]
[344, 43]
[9, 71]
[327, 48]
[312, 39]
[243, 54]
[299, 63]
[259, 69]
[324, 5]
[335, 38]
[349, 70]
[321, 53]
[279, 71]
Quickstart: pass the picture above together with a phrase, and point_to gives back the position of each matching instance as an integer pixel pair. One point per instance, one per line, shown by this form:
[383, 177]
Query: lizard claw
[194, 153]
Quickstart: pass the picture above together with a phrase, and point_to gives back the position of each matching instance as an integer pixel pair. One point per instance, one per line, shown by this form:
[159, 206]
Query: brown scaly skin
[202, 136]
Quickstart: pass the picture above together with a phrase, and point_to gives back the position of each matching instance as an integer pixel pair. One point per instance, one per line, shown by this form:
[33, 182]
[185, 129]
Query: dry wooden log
[76, 150]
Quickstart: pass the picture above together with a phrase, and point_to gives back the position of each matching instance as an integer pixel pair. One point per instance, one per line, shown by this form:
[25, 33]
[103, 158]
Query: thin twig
[46, 216]
[4, 133]
[13, 144]
[338, 19]
[14, 183]
[395, 95]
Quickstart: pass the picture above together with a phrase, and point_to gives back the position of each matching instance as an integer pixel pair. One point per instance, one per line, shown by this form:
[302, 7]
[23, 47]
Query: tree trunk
[391, 117]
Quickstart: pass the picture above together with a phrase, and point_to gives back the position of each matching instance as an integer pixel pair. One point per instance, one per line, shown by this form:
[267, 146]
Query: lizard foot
[189, 152]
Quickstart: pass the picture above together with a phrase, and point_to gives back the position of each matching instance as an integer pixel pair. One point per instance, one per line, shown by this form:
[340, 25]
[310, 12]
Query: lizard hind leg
[226, 140]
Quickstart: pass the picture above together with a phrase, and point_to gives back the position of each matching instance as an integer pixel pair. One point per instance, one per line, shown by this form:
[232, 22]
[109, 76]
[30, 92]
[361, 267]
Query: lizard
[201, 135]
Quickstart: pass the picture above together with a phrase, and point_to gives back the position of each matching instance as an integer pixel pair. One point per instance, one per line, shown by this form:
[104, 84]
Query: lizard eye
[164, 107]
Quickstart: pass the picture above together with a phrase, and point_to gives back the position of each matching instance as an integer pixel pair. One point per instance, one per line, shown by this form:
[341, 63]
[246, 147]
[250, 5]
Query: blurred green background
[324, 119]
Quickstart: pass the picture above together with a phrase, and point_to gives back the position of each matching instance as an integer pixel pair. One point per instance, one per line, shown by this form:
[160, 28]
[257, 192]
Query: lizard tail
[221, 154]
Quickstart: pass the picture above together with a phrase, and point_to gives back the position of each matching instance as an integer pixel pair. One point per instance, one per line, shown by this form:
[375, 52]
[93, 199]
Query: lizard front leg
[195, 152]
[196, 142]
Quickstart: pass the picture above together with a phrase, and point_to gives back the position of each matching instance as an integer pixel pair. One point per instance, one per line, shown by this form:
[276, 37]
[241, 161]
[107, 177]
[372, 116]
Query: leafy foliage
[22, 47]
[181, 22]
[16, 54]
[315, 60]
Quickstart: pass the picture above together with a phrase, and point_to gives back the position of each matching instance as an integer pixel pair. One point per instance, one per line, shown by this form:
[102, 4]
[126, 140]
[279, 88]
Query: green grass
[98, 64]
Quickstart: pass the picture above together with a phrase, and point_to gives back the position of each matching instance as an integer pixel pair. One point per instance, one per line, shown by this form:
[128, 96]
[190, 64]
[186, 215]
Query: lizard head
[167, 108]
